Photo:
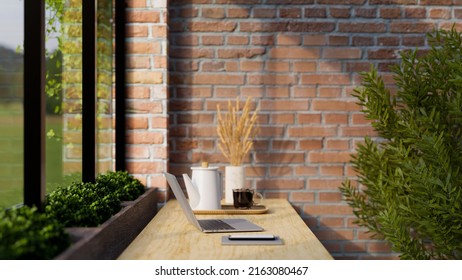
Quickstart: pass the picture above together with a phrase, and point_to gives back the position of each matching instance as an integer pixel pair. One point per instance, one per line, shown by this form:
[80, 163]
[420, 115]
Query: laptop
[208, 225]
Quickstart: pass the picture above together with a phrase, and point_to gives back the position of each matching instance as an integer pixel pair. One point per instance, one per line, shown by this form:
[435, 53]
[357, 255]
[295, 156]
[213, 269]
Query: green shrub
[410, 183]
[81, 205]
[122, 184]
[88, 204]
[28, 234]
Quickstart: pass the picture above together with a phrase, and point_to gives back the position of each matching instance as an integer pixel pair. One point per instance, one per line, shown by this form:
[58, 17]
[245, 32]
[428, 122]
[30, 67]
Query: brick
[290, 12]
[271, 79]
[329, 157]
[302, 196]
[362, 27]
[280, 171]
[288, 40]
[135, 92]
[212, 40]
[293, 53]
[304, 92]
[311, 131]
[356, 247]
[324, 210]
[365, 12]
[338, 40]
[215, 79]
[137, 123]
[284, 145]
[213, 66]
[331, 105]
[324, 184]
[436, 2]
[264, 40]
[390, 13]
[281, 184]
[411, 27]
[144, 77]
[329, 197]
[143, 48]
[159, 31]
[330, 79]
[137, 31]
[314, 40]
[216, 13]
[341, 53]
[280, 157]
[277, 92]
[310, 145]
[264, 13]
[304, 66]
[282, 118]
[309, 118]
[330, 92]
[306, 171]
[331, 170]
[239, 12]
[238, 40]
[340, 12]
[143, 16]
[276, 66]
[284, 105]
[337, 144]
[315, 12]
[436, 13]
[212, 26]
[383, 54]
[144, 137]
[136, 4]
[345, 2]
[358, 131]
[331, 222]
[415, 12]
[138, 62]
[144, 167]
[241, 53]
[362, 41]
[138, 152]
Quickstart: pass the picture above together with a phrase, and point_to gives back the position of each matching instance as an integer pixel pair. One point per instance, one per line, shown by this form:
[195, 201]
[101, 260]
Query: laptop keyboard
[214, 225]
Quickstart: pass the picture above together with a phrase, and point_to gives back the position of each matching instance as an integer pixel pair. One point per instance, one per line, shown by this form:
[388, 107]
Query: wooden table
[170, 236]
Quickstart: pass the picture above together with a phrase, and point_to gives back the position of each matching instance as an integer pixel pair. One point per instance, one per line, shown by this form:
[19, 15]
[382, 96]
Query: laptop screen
[181, 198]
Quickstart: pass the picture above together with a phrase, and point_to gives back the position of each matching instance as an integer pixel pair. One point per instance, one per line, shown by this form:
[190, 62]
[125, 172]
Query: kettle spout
[193, 192]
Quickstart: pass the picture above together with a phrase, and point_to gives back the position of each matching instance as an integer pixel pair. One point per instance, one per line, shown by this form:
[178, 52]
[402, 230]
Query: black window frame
[34, 95]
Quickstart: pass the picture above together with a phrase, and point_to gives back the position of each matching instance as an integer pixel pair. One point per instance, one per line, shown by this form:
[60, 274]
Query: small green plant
[27, 234]
[410, 182]
[90, 204]
[81, 205]
[124, 186]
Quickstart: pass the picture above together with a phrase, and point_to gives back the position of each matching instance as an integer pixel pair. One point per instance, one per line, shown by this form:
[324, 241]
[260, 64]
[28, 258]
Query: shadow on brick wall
[300, 61]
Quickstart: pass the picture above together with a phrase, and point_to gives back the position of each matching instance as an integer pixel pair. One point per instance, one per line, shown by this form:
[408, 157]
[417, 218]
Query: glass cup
[246, 198]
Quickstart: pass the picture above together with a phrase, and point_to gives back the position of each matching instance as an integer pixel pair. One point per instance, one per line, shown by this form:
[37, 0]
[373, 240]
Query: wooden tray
[229, 209]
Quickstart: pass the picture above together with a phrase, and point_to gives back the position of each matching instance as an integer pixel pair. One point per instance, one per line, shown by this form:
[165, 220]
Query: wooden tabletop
[170, 236]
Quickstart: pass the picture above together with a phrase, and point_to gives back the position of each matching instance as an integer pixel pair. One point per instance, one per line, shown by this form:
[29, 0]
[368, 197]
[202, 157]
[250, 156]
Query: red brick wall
[299, 61]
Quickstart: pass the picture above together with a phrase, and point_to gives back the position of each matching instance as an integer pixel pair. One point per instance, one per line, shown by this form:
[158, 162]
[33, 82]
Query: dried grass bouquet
[236, 131]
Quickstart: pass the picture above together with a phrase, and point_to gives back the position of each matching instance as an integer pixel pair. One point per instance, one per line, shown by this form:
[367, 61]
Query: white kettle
[205, 187]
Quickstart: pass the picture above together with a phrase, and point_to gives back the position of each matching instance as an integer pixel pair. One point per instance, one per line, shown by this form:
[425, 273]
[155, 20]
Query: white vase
[234, 179]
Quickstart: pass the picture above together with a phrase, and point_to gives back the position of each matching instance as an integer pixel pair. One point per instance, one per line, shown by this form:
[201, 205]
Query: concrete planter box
[112, 237]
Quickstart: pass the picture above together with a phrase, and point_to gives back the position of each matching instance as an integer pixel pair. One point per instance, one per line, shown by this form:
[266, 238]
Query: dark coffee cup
[244, 198]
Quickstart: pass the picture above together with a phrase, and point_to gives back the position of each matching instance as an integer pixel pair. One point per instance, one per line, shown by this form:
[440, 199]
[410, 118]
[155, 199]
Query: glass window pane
[104, 146]
[11, 102]
[64, 93]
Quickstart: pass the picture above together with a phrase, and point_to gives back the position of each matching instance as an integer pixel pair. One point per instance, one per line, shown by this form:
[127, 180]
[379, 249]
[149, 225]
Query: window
[67, 113]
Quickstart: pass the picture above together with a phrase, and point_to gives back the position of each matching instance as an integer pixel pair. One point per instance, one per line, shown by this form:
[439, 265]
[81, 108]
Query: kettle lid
[204, 166]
